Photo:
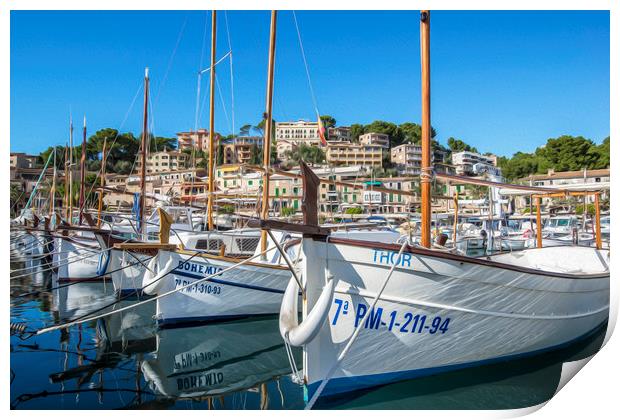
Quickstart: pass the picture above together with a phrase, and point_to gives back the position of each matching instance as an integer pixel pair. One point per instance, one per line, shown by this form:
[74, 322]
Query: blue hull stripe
[351, 383]
[182, 322]
[228, 283]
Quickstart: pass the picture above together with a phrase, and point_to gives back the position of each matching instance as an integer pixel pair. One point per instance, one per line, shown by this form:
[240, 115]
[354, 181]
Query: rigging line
[62, 286]
[159, 277]
[219, 90]
[202, 54]
[232, 83]
[222, 58]
[202, 102]
[118, 133]
[303, 55]
[171, 59]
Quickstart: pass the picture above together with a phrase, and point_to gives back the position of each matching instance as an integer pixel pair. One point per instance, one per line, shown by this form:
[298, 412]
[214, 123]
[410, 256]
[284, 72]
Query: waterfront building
[339, 133]
[351, 154]
[283, 149]
[471, 163]
[408, 160]
[240, 149]
[298, 132]
[198, 140]
[166, 160]
[375, 139]
[593, 179]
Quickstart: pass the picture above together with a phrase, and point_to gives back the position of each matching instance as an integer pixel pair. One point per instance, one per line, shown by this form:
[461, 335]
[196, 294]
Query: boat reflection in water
[72, 300]
[219, 359]
[129, 332]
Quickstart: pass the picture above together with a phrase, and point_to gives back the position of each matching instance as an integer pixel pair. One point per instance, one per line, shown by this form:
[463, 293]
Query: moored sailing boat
[376, 313]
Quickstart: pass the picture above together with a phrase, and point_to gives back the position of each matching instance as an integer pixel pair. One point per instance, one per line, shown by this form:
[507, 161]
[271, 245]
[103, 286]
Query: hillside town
[176, 175]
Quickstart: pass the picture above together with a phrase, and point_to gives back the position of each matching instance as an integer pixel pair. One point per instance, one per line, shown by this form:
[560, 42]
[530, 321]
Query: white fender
[297, 334]
[152, 281]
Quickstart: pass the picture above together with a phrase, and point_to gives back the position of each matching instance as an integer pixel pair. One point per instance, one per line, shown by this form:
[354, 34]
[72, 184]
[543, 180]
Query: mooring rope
[158, 278]
[62, 286]
[66, 261]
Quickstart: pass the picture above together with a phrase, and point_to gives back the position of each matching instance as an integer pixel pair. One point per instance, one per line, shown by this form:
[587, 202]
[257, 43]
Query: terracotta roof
[567, 174]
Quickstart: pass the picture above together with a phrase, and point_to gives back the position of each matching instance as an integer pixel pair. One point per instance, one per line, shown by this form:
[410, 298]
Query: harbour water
[123, 361]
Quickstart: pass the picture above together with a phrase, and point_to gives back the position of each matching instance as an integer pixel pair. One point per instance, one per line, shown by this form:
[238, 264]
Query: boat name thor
[382, 256]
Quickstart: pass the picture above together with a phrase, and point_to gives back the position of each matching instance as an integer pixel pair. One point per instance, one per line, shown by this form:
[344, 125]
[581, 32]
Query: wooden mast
[426, 174]
[538, 223]
[143, 155]
[597, 205]
[70, 215]
[103, 161]
[268, 128]
[53, 191]
[82, 173]
[212, 124]
[66, 200]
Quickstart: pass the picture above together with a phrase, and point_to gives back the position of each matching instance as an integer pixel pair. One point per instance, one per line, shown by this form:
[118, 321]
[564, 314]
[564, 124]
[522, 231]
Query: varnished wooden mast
[597, 221]
[145, 137]
[70, 216]
[82, 174]
[268, 128]
[538, 223]
[66, 181]
[426, 174]
[212, 124]
[53, 189]
[103, 162]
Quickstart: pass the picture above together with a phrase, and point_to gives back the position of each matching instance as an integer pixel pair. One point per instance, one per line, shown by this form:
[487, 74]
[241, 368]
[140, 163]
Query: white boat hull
[251, 289]
[439, 314]
[79, 261]
[128, 281]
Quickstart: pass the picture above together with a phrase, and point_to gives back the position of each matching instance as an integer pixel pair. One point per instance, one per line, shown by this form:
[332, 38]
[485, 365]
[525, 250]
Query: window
[209, 244]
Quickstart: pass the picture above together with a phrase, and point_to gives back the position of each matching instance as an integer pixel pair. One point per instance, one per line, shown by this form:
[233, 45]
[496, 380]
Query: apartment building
[470, 163]
[298, 132]
[339, 133]
[283, 149]
[375, 139]
[408, 160]
[240, 149]
[352, 154]
[25, 161]
[586, 179]
[163, 185]
[198, 140]
[164, 161]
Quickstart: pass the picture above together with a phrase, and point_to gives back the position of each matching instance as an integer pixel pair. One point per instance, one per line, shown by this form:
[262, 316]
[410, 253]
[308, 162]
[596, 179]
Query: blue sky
[501, 81]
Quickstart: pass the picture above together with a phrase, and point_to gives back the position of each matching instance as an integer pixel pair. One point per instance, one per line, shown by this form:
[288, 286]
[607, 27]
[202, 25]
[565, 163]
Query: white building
[407, 158]
[464, 163]
[298, 132]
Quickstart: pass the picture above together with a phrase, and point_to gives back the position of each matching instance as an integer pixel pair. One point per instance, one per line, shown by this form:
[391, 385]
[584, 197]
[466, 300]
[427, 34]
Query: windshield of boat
[559, 222]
